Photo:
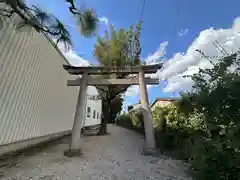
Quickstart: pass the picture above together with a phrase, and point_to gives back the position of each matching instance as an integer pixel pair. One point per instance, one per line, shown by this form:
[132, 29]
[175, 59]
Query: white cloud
[104, 20]
[236, 24]
[183, 32]
[134, 90]
[72, 56]
[155, 57]
[188, 63]
[151, 59]
[74, 59]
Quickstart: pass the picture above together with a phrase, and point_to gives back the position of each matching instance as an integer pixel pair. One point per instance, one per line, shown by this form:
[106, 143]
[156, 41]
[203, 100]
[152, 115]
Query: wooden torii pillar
[86, 79]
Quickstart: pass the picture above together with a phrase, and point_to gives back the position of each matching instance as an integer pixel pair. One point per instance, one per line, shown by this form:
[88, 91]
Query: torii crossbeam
[105, 82]
[87, 79]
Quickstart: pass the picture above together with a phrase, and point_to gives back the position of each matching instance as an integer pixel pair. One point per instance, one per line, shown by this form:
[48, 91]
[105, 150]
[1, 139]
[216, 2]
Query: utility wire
[176, 14]
[177, 17]
[218, 48]
[142, 11]
[224, 50]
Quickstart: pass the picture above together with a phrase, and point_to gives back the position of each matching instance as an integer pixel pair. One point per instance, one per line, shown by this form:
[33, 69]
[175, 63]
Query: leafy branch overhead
[45, 22]
[118, 48]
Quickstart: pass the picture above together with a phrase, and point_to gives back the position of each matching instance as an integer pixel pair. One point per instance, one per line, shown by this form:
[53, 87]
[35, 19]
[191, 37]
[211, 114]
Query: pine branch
[72, 7]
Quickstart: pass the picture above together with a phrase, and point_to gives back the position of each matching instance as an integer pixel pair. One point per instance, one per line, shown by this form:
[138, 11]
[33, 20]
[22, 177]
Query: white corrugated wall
[34, 98]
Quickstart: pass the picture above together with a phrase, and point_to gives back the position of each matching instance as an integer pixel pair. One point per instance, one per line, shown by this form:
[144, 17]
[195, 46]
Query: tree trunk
[104, 120]
[103, 129]
[109, 110]
[205, 120]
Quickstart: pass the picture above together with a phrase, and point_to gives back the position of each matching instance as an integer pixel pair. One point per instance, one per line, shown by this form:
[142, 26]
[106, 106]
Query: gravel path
[113, 157]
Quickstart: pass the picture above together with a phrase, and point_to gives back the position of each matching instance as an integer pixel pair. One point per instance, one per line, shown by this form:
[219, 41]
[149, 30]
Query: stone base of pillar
[72, 153]
[150, 152]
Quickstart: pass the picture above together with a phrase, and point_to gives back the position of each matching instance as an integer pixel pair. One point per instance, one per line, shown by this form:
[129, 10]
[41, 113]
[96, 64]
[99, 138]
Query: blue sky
[177, 23]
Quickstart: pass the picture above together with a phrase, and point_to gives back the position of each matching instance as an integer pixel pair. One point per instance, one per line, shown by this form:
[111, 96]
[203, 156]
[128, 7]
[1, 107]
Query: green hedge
[132, 121]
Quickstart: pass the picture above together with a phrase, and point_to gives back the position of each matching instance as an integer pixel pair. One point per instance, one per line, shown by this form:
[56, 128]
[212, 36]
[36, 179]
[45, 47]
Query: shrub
[132, 121]
[159, 118]
[186, 138]
[125, 121]
[215, 160]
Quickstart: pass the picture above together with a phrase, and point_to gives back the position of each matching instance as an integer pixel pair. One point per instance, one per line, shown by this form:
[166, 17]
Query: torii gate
[86, 79]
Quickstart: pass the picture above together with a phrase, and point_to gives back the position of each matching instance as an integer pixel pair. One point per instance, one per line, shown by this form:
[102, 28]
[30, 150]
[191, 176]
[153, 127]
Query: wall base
[11, 149]
[92, 127]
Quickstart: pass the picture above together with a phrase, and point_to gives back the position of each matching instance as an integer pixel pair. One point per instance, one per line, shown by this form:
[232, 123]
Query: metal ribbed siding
[34, 97]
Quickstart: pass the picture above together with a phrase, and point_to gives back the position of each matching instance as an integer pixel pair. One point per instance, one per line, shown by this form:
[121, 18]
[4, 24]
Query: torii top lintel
[148, 69]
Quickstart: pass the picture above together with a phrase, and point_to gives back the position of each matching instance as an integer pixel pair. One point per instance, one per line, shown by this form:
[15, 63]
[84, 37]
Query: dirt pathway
[113, 157]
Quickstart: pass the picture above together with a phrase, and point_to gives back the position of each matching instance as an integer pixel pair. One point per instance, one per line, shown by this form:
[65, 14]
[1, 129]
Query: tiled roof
[171, 99]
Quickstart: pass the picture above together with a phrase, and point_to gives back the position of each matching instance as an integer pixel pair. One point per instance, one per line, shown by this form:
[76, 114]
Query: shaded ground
[113, 157]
